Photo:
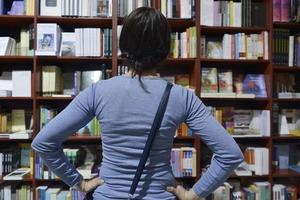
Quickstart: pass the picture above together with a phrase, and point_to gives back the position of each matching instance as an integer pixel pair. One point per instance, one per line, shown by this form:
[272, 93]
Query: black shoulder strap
[155, 127]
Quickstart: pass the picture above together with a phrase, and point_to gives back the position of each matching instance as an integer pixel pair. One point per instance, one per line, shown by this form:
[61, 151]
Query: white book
[110, 8]
[207, 12]
[6, 85]
[68, 44]
[7, 192]
[163, 7]
[21, 83]
[77, 42]
[50, 7]
[250, 47]
[1, 164]
[169, 9]
[98, 52]
[265, 45]
[258, 159]
[63, 7]
[18, 174]
[183, 40]
[238, 12]
[291, 50]
[47, 39]
[265, 161]
[265, 129]
[80, 8]
[4, 45]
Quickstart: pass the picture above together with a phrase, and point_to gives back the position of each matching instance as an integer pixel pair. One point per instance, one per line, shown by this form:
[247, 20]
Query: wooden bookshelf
[194, 66]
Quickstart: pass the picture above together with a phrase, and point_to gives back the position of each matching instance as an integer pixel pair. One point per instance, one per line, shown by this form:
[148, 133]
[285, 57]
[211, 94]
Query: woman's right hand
[88, 185]
[183, 194]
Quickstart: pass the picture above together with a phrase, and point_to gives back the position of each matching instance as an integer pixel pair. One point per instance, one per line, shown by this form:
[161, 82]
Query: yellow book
[231, 13]
[18, 120]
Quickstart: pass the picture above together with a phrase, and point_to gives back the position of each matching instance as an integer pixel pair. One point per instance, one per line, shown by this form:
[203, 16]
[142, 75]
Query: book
[48, 39]
[17, 8]
[68, 43]
[18, 120]
[255, 84]
[50, 7]
[21, 81]
[180, 9]
[89, 77]
[7, 46]
[225, 81]
[18, 174]
[209, 83]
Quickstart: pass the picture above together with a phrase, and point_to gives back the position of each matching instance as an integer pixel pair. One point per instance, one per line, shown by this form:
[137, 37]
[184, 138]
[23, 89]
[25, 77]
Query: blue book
[1, 7]
[62, 195]
[295, 168]
[255, 84]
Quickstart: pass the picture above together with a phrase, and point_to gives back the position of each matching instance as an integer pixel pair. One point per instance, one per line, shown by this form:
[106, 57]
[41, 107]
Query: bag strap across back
[155, 127]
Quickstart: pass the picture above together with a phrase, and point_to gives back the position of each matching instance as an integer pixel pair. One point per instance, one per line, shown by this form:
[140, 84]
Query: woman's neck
[146, 73]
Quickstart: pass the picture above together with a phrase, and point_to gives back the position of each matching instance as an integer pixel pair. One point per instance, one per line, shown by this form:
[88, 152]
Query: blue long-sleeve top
[126, 112]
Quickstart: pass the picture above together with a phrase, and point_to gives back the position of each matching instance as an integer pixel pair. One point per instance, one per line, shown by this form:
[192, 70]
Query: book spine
[285, 11]
[277, 10]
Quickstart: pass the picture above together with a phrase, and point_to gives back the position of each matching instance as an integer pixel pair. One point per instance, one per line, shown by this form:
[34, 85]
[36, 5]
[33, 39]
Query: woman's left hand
[88, 185]
[183, 194]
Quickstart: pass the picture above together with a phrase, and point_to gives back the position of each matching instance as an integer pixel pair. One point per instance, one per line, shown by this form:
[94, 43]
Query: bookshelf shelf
[286, 69]
[285, 138]
[222, 30]
[177, 23]
[84, 139]
[234, 176]
[286, 100]
[46, 98]
[77, 21]
[14, 21]
[72, 60]
[2, 140]
[286, 25]
[261, 138]
[16, 59]
[27, 178]
[234, 99]
[285, 173]
[16, 98]
[233, 61]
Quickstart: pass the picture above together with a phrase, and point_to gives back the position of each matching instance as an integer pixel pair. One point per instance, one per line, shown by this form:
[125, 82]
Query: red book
[276, 10]
[285, 10]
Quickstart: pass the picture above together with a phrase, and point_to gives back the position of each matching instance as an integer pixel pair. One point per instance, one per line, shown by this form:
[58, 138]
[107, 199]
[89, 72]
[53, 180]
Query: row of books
[183, 162]
[286, 156]
[58, 83]
[243, 123]
[286, 11]
[16, 83]
[82, 42]
[257, 159]
[16, 124]
[286, 50]
[223, 83]
[47, 192]
[13, 158]
[178, 9]
[47, 114]
[283, 192]
[233, 190]
[86, 159]
[22, 192]
[23, 46]
[23, 7]
[126, 7]
[77, 8]
[74, 156]
[122, 69]
[241, 13]
[236, 46]
[289, 122]
[183, 130]
[286, 86]
[184, 44]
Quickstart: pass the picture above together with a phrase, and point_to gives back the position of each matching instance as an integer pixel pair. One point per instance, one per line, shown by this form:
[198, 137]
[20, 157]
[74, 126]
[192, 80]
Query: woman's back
[126, 112]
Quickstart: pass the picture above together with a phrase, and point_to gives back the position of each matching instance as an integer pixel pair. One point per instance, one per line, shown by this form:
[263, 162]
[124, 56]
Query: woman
[126, 106]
